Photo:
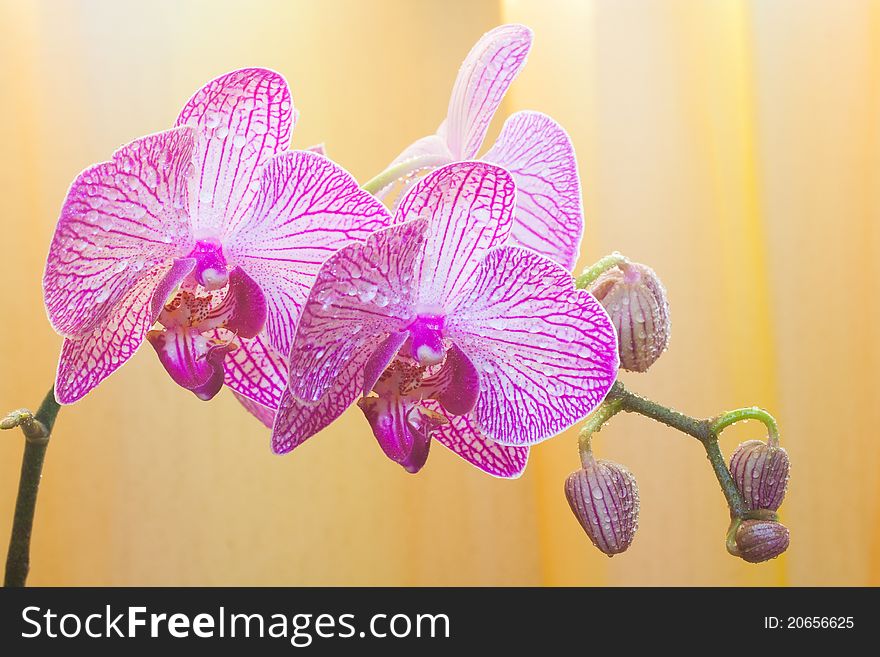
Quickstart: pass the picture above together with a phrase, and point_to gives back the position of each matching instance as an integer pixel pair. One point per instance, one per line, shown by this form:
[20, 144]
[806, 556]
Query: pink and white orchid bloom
[213, 229]
[532, 147]
[461, 337]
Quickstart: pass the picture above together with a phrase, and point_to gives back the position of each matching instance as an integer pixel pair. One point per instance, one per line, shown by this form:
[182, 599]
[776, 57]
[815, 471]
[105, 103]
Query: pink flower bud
[760, 472]
[761, 540]
[605, 499]
[636, 302]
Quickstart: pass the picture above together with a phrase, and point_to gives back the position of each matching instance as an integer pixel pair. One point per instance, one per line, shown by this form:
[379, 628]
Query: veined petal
[296, 421]
[549, 216]
[482, 81]
[456, 385]
[193, 360]
[120, 220]
[179, 270]
[546, 353]
[461, 435]
[379, 359]
[469, 206]
[264, 414]
[306, 210]
[242, 119]
[362, 295]
[387, 418]
[257, 371]
[88, 360]
[242, 310]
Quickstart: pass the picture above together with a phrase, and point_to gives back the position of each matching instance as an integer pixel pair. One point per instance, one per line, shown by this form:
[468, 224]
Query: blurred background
[733, 146]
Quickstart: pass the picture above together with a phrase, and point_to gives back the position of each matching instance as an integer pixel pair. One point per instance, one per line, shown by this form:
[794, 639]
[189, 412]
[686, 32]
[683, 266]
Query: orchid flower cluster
[450, 317]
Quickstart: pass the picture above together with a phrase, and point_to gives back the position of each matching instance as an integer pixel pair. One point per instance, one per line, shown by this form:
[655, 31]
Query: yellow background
[733, 146]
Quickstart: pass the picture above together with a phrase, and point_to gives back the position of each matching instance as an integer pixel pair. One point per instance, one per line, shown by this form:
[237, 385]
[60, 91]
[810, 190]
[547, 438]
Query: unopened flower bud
[636, 302]
[760, 472]
[761, 540]
[605, 499]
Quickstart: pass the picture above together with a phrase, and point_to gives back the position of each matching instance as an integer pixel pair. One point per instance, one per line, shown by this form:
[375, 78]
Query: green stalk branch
[621, 399]
[594, 271]
[724, 420]
[401, 169]
[37, 428]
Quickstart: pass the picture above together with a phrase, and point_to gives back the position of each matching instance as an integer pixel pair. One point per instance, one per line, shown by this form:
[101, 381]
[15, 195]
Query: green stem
[702, 430]
[392, 173]
[724, 420]
[37, 428]
[594, 271]
[606, 410]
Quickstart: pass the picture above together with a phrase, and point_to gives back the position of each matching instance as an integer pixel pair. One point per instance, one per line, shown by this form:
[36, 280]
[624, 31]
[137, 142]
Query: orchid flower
[213, 229]
[532, 147]
[441, 329]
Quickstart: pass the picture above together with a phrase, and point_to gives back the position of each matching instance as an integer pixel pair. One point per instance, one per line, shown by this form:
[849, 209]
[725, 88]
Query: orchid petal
[180, 269]
[88, 360]
[306, 209]
[242, 118]
[120, 220]
[462, 436]
[546, 353]
[482, 81]
[379, 359]
[257, 371]
[457, 384]
[264, 414]
[296, 421]
[470, 207]
[549, 216]
[318, 148]
[194, 361]
[387, 418]
[362, 295]
[242, 310]
[402, 429]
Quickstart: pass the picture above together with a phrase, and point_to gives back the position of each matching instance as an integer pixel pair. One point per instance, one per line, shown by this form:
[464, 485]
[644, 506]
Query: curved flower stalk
[212, 228]
[532, 147]
[444, 330]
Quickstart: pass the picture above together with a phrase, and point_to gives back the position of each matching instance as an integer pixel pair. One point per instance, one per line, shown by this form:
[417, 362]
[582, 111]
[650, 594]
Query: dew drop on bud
[605, 499]
[760, 472]
[636, 302]
[761, 540]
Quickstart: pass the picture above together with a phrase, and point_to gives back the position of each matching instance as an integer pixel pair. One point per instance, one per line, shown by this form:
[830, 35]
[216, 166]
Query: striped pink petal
[120, 221]
[462, 436]
[363, 295]
[546, 353]
[257, 372]
[296, 421]
[469, 207]
[86, 361]
[402, 430]
[242, 119]
[194, 361]
[264, 414]
[306, 209]
[482, 81]
[549, 215]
